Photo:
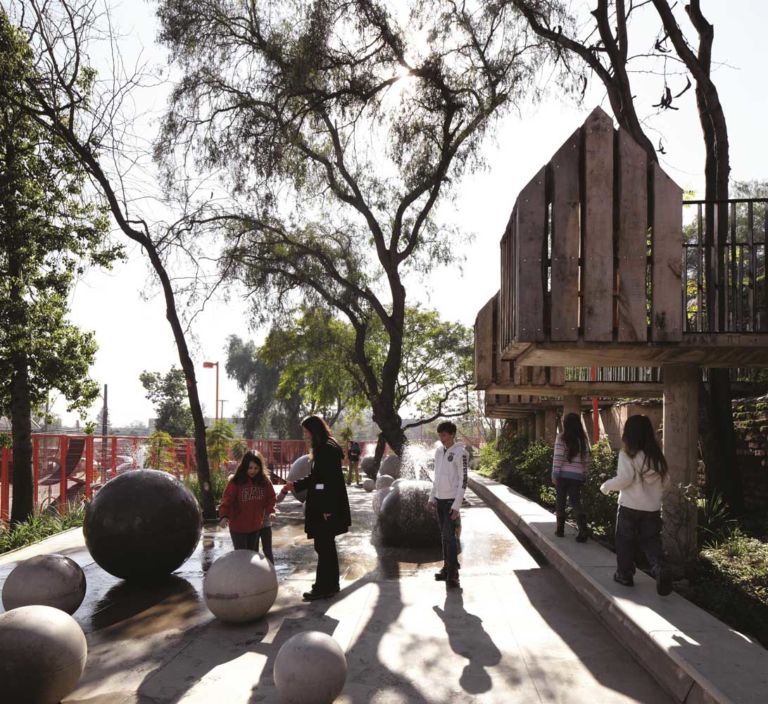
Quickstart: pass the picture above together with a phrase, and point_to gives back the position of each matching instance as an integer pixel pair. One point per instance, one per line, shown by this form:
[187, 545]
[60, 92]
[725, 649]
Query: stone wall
[750, 419]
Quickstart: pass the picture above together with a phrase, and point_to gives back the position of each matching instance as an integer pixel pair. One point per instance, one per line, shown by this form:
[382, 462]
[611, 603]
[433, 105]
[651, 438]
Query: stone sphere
[391, 466]
[367, 467]
[42, 655]
[405, 518]
[240, 586]
[48, 580]
[300, 469]
[384, 480]
[310, 668]
[369, 484]
[142, 524]
[378, 497]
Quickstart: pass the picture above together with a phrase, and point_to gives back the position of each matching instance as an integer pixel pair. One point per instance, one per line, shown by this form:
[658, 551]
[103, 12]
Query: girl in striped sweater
[570, 465]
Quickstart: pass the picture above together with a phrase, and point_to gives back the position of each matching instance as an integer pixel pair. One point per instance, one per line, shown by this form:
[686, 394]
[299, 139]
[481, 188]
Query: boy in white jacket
[639, 480]
[450, 482]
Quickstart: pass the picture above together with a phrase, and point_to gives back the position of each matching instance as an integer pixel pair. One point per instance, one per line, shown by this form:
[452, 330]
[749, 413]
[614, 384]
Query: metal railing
[725, 288]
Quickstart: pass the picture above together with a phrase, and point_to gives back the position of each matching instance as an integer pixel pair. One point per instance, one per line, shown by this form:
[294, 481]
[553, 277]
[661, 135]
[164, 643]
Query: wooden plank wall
[597, 228]
[593, 199]
[566, 228]
[484, 343]
[666, 297]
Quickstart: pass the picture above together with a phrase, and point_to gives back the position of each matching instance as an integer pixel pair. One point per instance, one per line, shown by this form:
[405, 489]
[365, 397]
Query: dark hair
[447, 427]
[241, 474]
[319, 431]
[574, 437]
[639, 435]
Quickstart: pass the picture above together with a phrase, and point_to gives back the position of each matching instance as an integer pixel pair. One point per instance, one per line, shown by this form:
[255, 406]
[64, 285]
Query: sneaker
[313, 596]
[625, 581]
[663, 582]
[441, 576]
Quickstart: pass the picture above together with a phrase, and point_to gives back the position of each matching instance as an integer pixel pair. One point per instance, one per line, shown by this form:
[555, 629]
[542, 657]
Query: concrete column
[680, 442]
[539, 423]
[550, 425]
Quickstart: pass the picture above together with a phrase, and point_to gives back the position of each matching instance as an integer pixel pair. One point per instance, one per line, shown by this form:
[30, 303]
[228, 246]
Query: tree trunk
[21, 434]
[390, 424]
[378, 453]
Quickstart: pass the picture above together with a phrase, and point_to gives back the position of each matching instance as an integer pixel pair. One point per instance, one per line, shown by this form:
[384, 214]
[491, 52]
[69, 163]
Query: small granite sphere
[42, 655]
[391, 466]
[142, 524]
[405, 518]
[310, 668]
[369, 484]
[367, 467]
[378, 498]
[48, 580]
[384, 480]
[300, 469]
[240, 586]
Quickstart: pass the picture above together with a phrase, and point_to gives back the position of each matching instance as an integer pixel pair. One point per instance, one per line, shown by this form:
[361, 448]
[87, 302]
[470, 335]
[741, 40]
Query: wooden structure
[596, 272]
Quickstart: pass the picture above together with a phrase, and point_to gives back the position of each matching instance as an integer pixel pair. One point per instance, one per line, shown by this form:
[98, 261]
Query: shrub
[599, 508]
[532, 470]
[39, 526]
[218, 484]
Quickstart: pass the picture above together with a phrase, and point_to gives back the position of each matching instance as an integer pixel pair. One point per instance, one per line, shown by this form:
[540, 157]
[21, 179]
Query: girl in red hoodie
[248, 497]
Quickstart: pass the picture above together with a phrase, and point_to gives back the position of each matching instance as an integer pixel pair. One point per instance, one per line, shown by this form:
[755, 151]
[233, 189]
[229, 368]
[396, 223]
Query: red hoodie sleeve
[271, 500]
[228, 500]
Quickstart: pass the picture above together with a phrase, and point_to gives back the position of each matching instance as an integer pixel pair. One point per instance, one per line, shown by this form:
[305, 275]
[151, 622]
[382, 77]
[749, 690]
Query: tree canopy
[168, 393]
[50, 231]
[337, 128]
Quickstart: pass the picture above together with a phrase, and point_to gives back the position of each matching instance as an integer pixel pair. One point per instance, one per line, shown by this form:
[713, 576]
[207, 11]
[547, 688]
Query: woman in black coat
[327, 508]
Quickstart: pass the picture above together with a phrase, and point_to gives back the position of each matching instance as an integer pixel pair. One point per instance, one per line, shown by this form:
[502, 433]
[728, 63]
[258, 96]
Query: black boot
[583, 534]
[560, 529]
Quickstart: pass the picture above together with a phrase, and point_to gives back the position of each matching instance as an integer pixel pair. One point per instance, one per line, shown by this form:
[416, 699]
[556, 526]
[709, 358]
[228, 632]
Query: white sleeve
[625, 475]
[433, 491]
[461, 463]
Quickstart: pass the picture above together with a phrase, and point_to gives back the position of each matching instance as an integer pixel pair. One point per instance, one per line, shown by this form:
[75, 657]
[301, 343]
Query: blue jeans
[448, 535]
[570, 489]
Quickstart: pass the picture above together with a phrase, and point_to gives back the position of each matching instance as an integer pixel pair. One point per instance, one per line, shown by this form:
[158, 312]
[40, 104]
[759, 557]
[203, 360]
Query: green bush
[532, 471]
[733, 583]
[490, 459]
[40, 525]
[218, 484]
[599, 508]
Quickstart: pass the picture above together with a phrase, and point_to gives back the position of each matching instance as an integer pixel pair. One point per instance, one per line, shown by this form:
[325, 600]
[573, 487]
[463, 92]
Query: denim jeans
[635, 528]
[448, 535]
[245, 541]
[265, 536]
[570, 489]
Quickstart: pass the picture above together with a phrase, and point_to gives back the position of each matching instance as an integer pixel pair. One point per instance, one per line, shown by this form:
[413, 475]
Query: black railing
[725, 288]
[617, 374]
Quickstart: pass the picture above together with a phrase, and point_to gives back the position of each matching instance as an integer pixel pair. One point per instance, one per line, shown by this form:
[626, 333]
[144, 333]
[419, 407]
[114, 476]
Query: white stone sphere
[310, 668]
[378, 498]
[300, 469]
[384, 480]
[391, 466]
[240, 586]
[369, 484]
[48, 580]
[367, 466]
[42, 655]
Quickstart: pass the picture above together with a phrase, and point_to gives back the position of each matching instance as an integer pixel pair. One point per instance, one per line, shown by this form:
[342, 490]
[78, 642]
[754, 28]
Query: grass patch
[40, 526]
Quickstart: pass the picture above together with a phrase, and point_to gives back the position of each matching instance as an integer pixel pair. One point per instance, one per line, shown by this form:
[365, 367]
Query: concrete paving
[517, 632]
[693, 655]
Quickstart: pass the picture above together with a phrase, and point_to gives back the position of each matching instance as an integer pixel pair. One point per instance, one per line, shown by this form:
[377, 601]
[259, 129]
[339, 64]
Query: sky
[126, 311]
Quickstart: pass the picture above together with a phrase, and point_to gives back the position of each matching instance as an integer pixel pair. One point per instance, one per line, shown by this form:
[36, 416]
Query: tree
[220, 437]
[93, 128]
[168, 393]
[339, 128]
[49, 231]
[604, 48]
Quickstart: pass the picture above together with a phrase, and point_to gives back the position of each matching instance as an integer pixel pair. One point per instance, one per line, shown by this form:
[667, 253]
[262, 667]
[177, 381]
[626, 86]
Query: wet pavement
[515, 633]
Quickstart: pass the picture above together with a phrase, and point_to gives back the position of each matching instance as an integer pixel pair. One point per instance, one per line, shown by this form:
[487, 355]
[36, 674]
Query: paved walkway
[517, 632]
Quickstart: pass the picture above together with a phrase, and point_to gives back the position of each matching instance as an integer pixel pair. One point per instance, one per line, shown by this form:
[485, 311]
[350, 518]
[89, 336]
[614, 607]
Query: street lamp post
[210, 365]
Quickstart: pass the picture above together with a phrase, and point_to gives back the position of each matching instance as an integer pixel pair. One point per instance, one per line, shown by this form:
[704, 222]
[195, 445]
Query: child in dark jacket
[249, 496]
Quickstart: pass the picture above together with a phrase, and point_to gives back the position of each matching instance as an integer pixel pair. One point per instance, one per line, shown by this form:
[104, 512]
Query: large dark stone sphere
[142, 524]
[405, 518]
